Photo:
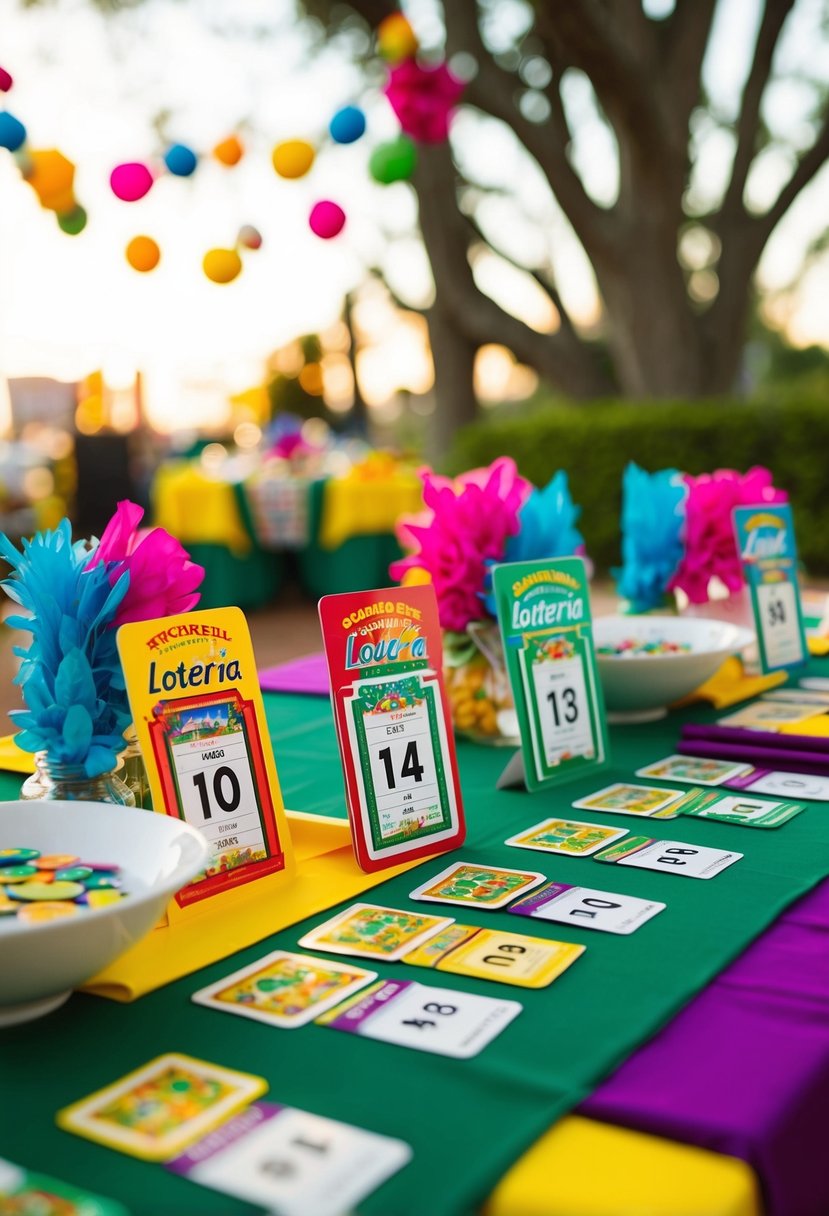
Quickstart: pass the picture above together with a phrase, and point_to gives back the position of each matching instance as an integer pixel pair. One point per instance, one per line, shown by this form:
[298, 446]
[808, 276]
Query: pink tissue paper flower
[466, 522]
[423, 99]
[710, 547]
[163, 580]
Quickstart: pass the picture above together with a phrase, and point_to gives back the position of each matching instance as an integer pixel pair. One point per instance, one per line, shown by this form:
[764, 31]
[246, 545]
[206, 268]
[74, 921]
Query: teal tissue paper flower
[546, 529]
[70, 675]
[653, 521]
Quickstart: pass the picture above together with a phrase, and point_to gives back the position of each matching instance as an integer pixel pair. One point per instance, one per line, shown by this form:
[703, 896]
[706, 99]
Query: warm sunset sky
[91, 87]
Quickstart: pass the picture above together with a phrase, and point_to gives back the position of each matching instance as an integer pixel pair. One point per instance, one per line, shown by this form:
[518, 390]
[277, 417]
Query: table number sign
[198, 712]
[544, 615]
[766, 543]
[385, 663]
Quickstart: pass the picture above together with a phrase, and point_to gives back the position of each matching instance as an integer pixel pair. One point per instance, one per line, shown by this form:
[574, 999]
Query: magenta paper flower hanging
[710, 546]
[423, 98]
[466, 523]
[163, 580]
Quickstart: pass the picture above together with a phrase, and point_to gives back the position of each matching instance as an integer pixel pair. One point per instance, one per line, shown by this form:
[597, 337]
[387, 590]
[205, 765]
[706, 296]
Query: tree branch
[686, 37]
[748, 123]
[807, 167]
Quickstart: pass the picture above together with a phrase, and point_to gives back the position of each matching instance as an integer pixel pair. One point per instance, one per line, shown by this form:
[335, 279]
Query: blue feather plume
[70, 675]
[653, 518]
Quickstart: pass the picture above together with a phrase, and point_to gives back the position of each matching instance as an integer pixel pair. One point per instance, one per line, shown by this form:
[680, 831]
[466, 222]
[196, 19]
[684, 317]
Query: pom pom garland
[347, 125]
[74, 221]
[249, 237]
[143, 254]
[293, 158]
[394, 161]
[180, 160]
[229, 151]
[396, 40]
[327, 219]
[6, 81]
[222, 265]
[130, 181]
[12, 131]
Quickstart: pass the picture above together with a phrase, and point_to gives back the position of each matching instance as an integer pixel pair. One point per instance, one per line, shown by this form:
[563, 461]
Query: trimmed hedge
[593, 442]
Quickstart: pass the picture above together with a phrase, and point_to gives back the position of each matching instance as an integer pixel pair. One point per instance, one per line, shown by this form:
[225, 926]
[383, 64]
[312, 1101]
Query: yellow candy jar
[478, 687]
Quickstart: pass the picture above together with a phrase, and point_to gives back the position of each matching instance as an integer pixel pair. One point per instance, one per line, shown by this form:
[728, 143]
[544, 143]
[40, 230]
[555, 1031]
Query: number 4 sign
[385, 662]
[544, 615]
[765, 539]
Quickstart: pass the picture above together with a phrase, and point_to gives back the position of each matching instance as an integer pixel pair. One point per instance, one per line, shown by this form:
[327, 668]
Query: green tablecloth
[467, 1121]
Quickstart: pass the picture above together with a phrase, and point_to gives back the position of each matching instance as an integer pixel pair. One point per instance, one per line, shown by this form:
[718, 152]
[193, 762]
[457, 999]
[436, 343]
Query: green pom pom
[72, 222]
[394, 161]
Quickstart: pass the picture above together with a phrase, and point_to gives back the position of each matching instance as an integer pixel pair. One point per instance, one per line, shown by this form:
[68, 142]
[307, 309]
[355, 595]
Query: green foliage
[593, 443]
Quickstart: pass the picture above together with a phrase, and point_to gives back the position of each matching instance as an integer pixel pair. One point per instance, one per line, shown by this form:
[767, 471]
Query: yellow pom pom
[143, 254]
[222, 265]
[396, 39]
[52, 177]
[416, 576]
[293, 158]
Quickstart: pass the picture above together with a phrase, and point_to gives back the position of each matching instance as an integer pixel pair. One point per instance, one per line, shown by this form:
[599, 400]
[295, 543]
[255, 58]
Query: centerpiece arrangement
[75, 594]
[469, 524]
[678, 544]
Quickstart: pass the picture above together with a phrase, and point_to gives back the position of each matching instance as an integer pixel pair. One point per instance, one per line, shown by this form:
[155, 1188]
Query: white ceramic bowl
[41, 963]
[639, 687]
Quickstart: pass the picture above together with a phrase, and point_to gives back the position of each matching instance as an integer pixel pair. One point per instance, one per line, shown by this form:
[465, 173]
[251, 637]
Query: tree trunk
[455, 401]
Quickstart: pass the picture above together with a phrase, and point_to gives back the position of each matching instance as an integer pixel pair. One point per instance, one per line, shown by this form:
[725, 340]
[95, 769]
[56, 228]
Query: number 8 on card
[385, 661]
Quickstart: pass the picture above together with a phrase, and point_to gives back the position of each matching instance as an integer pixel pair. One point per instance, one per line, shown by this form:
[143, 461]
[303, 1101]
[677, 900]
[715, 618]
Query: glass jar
[477, 683]
[134, 772]
[67, 783]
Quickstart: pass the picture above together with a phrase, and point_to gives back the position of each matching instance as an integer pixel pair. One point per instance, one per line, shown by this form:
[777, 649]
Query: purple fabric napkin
[744, 1069]
[308, 675]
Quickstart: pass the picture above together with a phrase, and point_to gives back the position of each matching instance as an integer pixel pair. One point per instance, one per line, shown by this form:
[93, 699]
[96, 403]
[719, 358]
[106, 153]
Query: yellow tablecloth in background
[368, 500]
[197, 509]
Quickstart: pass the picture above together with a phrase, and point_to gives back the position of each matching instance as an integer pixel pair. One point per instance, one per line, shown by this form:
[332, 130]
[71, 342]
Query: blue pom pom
[180, 160]
[347, 125]
[12, 131]
[653, 519]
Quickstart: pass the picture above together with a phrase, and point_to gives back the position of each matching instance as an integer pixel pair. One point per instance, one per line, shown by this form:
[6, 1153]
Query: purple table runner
[307, 675]
[744, 1069]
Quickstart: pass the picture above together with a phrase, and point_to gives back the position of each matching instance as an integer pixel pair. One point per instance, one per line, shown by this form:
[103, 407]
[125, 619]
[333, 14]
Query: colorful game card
[385, 662]
[491, 954]
[370, 931]
[785, 785]
[745, 811]
[197, 708]
[544, 616]
[159, 1109]
[567, 837]
[771, 715]
[479, 886]
[670, 856]
[765, 541]
[692, 770]
[439, 1020]
[291, 1162]
[623, 798]
[285, 989]
[587, 908]
[24, 1193]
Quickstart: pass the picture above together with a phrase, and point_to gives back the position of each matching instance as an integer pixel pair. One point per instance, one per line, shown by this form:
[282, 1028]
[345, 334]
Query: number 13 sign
[384, 658]
[544, 614]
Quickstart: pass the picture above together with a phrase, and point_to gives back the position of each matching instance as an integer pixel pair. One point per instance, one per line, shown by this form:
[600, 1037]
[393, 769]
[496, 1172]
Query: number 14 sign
[544, 614]
[384, 659]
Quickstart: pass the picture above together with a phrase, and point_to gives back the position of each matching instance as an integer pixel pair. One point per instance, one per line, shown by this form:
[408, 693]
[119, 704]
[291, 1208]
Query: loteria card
[385, 663]
[285, 989]
[784, 785]
[544, 616]
[670, 856]
[197, 708]
[766, 544]
[24, 1193]
[491, 954]
[291, 1162]
[159, 1109]
[369, 931]
[746, 811]
[771, 715]
[567, 837]
[622, 798]
[439, 1020]
[692, 770]
[587, 908]
[480, 886]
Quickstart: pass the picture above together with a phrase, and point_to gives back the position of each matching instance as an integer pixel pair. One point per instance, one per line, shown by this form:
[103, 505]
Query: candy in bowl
[80, 883]
[648, 662]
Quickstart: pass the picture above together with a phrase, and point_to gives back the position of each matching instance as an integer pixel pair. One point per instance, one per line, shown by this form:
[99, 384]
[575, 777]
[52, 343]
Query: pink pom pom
[5, 81]
[131, 181]
[327, 219]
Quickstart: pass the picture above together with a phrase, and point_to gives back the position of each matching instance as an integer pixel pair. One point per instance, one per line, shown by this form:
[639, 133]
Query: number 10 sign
[198, 711]
[544, 615]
